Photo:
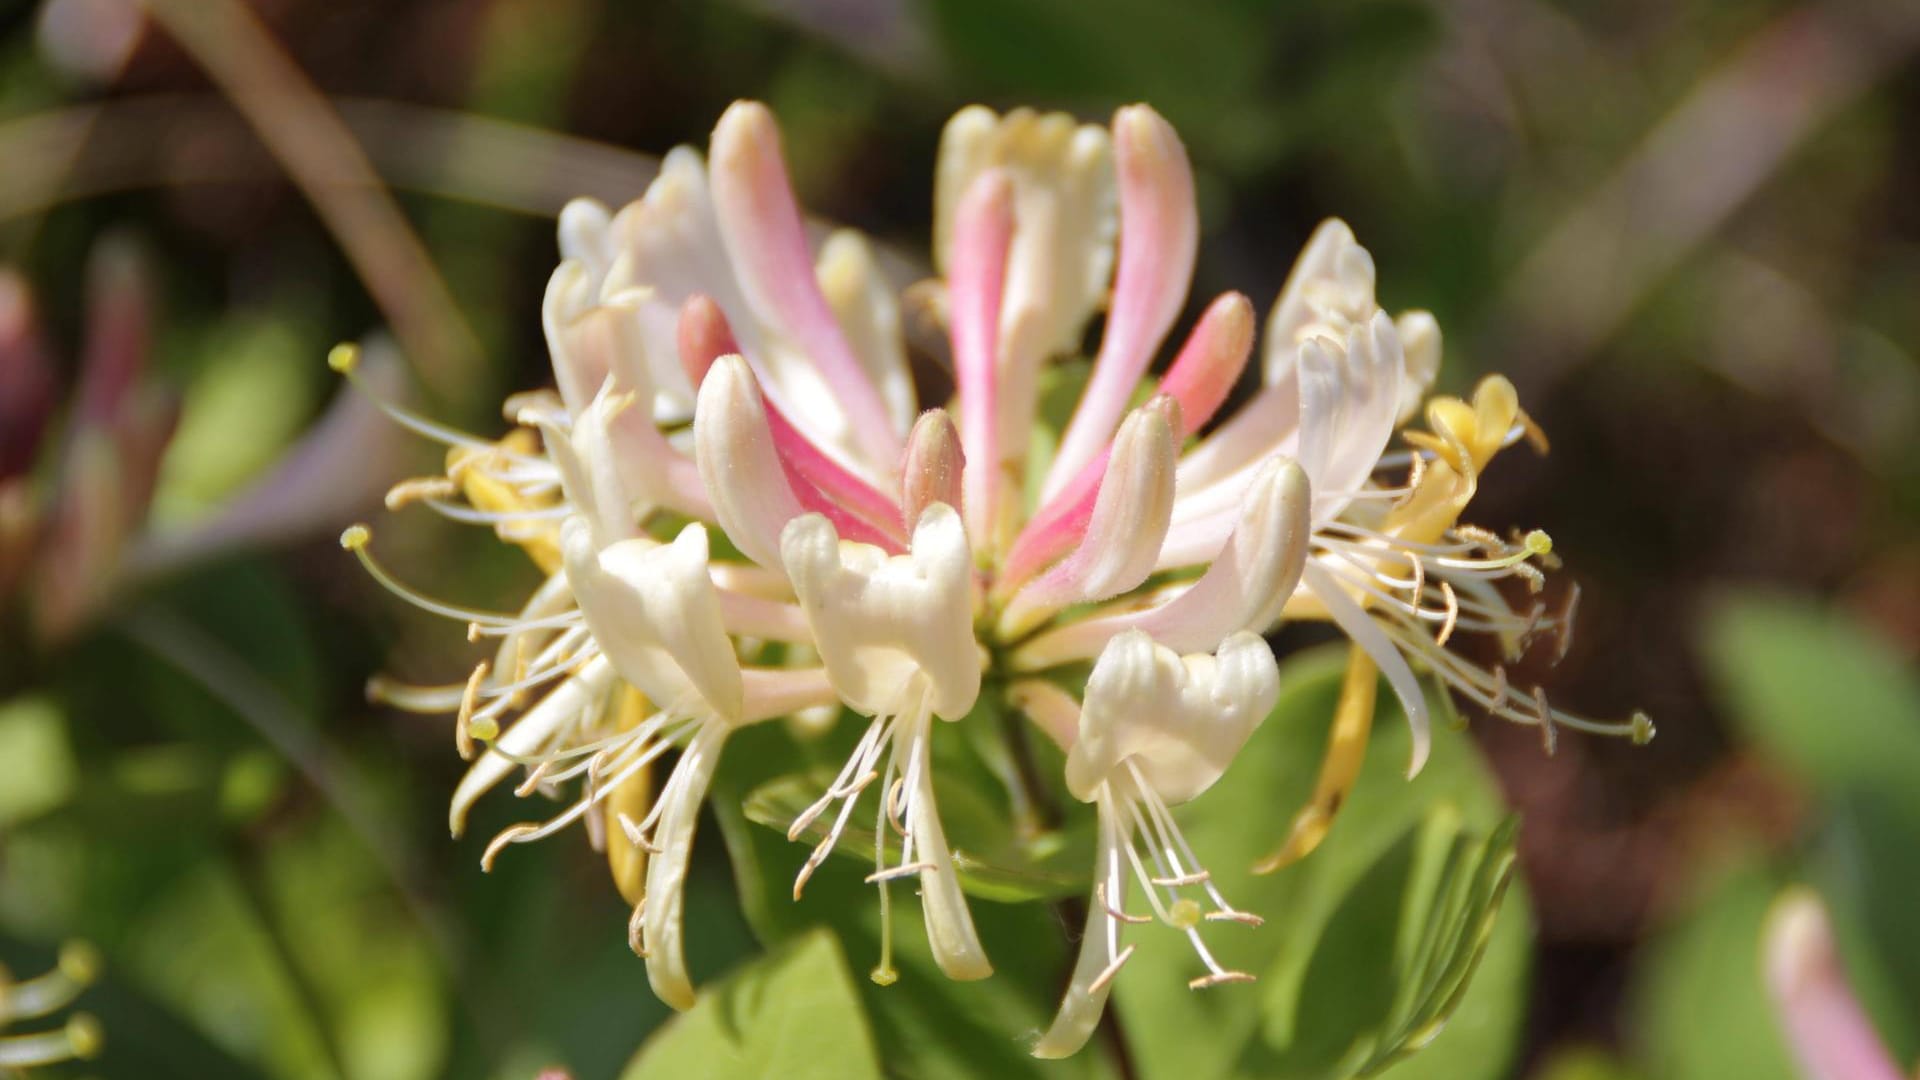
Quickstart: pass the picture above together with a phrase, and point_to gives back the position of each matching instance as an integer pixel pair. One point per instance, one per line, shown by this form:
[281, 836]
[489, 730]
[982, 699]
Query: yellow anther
[355, 537]
[484, 728]
[1538, 543]
[884, 976]
[344, 358]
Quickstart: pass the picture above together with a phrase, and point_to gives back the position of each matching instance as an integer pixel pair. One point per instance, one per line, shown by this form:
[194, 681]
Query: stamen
[903, 870]
[1107, 974]
[526, 832]
[1219, 979]
[78, 966]
[467, 515]
[636, 835]
[382, 690]
[463, 723]
[1453, 613]
[344, 359]
[895, 806]
[534, 778]
[356, 538]
[509, 835]
[1549, 735]
[1182, 879]
[1247, 918]
[564, 620]
[1100, 897]
[407, 492]
[80, 1039]
[1564, 624]
[636, 929]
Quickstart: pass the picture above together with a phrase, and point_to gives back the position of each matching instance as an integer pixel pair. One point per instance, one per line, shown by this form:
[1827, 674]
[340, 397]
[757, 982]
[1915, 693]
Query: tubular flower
[29, 999]
[742, 516]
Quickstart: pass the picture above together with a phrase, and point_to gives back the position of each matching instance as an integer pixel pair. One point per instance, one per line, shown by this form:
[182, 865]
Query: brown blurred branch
[323, 159]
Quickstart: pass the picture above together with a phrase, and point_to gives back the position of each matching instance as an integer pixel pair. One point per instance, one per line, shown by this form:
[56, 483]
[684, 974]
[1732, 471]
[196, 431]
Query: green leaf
[1833, 704]
[1820, 693]
[1700, 1004]
[1370, 941]
[993, 862]
[791, 1014]
[1455, 924]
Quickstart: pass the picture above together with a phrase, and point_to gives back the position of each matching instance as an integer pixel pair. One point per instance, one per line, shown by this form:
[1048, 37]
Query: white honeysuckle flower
[896, 635]
[742, 516]
[1156, 730]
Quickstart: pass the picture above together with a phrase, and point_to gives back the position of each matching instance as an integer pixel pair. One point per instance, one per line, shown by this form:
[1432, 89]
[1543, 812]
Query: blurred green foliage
[198, 787]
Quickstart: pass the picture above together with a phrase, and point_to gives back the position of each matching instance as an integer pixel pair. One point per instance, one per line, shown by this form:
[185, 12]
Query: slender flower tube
[743, 513]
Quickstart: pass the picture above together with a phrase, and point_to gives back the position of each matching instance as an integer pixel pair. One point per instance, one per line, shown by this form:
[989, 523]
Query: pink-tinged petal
[775, 692]
[1053, 531]
[1211, 361]
[1831, 1035]
[80, 552]
[1159, 237]
[760, 224]
[1124, 531]
[1245, 588]
[1203, 519]
[866, 304]
[934, 466]
[733, 446]
[1329, 290]
[975, 282]
[1052, 710]
[1199, 380]
[1370, 407]
[315, 484]
[704, 335]
[821, 483]
[593, 341]
[26, 378]
[118, 324]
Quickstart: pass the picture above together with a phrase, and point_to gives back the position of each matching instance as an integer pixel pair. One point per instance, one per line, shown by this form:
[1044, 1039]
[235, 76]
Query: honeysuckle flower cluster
[743, 515]
[79, 1038]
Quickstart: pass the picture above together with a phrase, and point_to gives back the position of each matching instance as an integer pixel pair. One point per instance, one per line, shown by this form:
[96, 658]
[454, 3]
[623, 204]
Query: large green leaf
[1832, 704]
[1820, 693]
[1368, 941]
[1700, 1007]
[793, 1013]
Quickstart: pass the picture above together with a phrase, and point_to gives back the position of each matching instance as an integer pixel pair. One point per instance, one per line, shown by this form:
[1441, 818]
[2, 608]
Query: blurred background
[1688, 230]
